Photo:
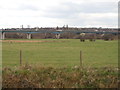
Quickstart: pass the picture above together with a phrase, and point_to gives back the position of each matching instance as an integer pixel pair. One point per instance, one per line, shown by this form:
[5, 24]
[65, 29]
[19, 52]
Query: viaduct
[56, 32]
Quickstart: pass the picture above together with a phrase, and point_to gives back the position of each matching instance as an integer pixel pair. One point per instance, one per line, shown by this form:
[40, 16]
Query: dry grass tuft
[28, 76]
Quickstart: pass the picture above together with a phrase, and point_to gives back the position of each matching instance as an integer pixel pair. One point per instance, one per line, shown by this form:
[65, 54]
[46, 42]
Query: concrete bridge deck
[57, 32]
[53, 31]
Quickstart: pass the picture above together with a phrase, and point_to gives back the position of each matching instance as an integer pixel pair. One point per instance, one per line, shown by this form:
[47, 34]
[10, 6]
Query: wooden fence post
[81, 59]
[20, 57]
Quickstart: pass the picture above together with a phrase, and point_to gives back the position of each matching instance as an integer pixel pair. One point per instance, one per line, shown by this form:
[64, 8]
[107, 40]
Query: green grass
[63, 52]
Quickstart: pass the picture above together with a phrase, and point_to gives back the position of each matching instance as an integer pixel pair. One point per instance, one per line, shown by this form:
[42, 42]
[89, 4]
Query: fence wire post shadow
[81, 59]
[20, 57]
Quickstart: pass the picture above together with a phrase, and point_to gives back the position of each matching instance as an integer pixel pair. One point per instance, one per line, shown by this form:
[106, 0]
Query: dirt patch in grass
[23, 41]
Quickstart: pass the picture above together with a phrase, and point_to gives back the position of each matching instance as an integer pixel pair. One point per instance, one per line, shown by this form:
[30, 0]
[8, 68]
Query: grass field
[61, 53]
[53, 63]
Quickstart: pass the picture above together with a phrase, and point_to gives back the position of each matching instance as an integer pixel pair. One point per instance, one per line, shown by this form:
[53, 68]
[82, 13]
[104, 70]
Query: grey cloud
[93, 21]
[27, 7]
[101, 7]
[70, 13]
[70, 10]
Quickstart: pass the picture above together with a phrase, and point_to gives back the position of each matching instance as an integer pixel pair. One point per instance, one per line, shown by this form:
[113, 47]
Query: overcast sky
[52, 13]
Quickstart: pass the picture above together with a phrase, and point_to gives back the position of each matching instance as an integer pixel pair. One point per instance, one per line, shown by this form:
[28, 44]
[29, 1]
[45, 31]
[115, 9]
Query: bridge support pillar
[28, 35]
[0, 35]
[3, 35]
[57, 36]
